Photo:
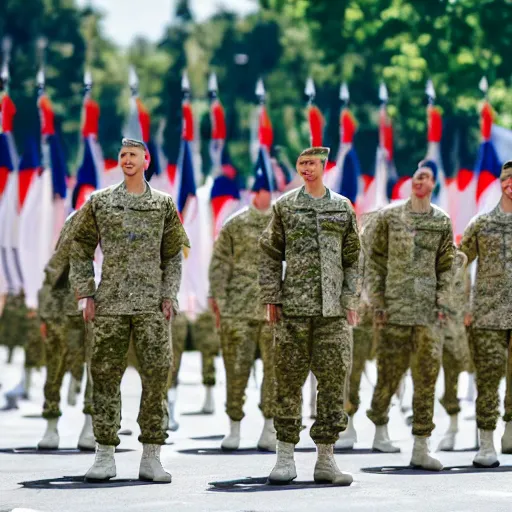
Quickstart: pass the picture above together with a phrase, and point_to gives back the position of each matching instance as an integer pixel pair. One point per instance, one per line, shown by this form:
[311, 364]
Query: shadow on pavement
[218, 437]
[449, 470]
[77, 482]
[259, 484]
[196, 413]
[255, 451]
[32, 450]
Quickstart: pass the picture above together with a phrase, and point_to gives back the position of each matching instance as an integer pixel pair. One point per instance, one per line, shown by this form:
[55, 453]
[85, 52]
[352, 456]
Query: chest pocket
[332, 222]
[491, 252]
[428, 239]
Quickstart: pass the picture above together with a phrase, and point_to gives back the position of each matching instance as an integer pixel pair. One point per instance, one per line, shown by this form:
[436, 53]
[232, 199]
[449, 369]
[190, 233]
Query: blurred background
[362, 42]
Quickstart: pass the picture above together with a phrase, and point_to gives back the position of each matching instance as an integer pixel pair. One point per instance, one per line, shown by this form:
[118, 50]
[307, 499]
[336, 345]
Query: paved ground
[39, 482]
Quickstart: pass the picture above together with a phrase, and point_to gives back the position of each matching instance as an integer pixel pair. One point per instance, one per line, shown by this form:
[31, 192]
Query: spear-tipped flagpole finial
[213, 86]
[344, 92]
[310, 90]
[40, 78]
[260, 90]
[88, 78]
[430, 91]
[185, 82]
[383, 93]
[6, 51]
[133, 80]
[483, 85]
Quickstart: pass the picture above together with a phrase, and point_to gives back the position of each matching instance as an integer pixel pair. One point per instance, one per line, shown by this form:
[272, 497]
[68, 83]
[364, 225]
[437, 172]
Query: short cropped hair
[318, 152]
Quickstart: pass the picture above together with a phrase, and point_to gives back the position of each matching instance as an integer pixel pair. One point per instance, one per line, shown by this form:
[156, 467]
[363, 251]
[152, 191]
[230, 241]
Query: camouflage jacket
[318, 241]
[411, 264]
[234, 267]
[488, 239]
[141, 238]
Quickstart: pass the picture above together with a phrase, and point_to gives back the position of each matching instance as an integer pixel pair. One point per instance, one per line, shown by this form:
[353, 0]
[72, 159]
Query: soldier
[410, 263]
[455, 347]
[235, 300]
[313, 231]
[60, 331]
[488, 239]
[141, 238]
[363, 335]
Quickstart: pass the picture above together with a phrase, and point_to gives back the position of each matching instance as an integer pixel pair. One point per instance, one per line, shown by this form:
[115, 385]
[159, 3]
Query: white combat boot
[326, 469]
[50, 440]
[86, 441]
[232, 440]
[348, 437]
[284, 471]
[172, 395]
[268, 441]
[447, 444]
[486, 456]
[73, 390]
[27, 383]
[209, 402]
[421, 458]
[506, 440]
[150, 466]
[381, 441]
[104, 466]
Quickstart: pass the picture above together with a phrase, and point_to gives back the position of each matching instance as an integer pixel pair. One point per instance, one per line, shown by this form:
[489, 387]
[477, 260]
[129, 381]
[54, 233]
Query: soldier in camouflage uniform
[488, 240]
[363, 335]
[142, 239]
[410, 263]
[63, 326]
[206, 339]
[455, 347]
[235, 298]
[314, 232]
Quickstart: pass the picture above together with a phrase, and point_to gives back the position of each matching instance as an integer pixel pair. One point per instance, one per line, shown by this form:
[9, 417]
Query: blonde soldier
[363, 334]
[141, 238]
[62, 325]
[314, 232]
[488, 240]
[235, 299]
[410, 262]
[455, 347]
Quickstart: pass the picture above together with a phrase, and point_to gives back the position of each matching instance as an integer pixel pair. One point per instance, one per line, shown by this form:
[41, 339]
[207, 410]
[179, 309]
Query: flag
[488, 164]
[316, 125]
[218, 135]
[346, 175]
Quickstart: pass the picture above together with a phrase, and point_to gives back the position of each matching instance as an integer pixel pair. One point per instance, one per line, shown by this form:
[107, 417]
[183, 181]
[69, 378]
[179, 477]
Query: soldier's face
[310, 168]
[506, 184]
[131, 160]
[423, 182]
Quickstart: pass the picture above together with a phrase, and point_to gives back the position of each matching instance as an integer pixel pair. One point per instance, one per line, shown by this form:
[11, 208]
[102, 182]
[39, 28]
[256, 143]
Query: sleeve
[221, 267]
[378, 264]
[83, 245]
[174, 240]
[444, 263]
[272, 245]
[351, 251]
[59, 262]
[44, 301]
[468, 244]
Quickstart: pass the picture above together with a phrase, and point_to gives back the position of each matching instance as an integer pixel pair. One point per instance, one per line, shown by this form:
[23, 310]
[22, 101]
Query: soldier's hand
[43, 330]
[31, 313]
[380, 319]
[215, 310]
[167, 309]
[441, 317]
[352, 317]
[468, 319]
[273, 313]
[90, 310]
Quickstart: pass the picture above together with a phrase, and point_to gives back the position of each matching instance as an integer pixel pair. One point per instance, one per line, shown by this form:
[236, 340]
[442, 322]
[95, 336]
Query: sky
[126, 19]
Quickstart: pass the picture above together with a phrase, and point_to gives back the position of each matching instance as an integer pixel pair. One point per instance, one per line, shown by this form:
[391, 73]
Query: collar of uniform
[500, 215]
[146, 201]
[302, 193]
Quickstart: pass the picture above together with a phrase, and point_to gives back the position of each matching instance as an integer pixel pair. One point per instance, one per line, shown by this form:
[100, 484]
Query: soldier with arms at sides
[314, 232]
[142, 238]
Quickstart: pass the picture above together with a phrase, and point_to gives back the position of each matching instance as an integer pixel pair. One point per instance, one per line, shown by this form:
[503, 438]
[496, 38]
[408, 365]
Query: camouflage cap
[318, 152]
[506, 171]
[133, 143]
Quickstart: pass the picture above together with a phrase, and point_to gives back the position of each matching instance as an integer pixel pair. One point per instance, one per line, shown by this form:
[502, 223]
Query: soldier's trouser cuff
[422, 430]
[507, 416]
[377, 419]
[50, 414]
[209, 381]
[486, 423]
[268, 410]
[451, 408]
[151, 440]
[288, 429]
[234, 413]
[88, 409]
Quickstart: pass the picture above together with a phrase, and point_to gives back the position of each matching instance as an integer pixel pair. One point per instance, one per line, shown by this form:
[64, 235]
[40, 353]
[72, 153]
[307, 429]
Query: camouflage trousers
[179, 331]
[452, 367]
[207, 341]
[489, 351]
[400, 346]
[151, 339]
[13, 321]
[363, 343]
[34, 344]
[323, 346]
[240, 339]
[56, 352]
[76, 347]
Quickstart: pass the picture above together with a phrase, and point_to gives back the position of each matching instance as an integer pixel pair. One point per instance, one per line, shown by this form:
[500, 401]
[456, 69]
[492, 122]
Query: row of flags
[37, 191]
